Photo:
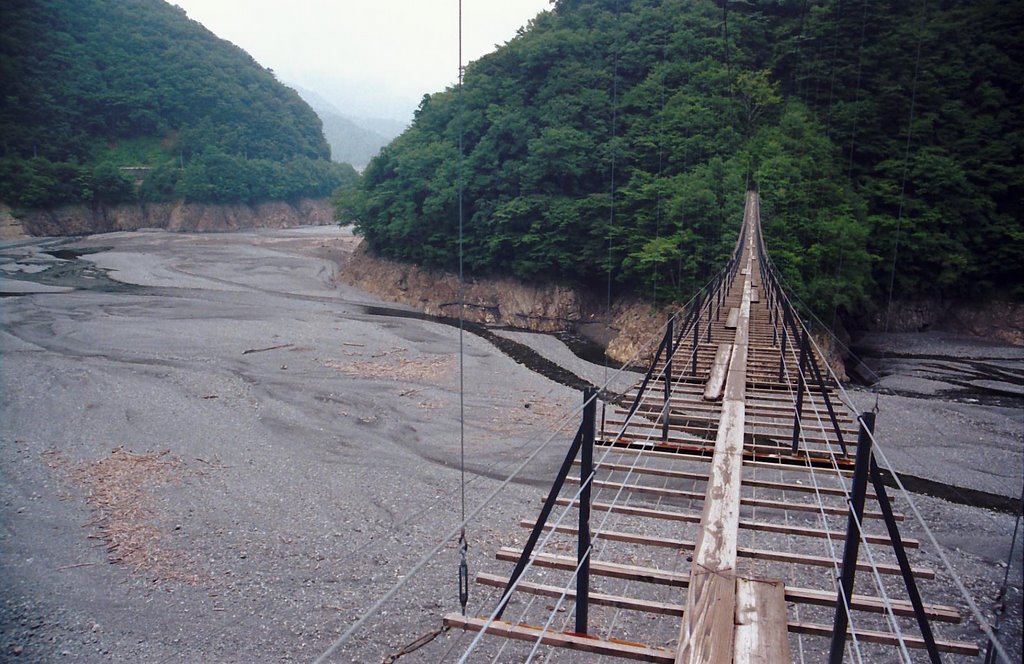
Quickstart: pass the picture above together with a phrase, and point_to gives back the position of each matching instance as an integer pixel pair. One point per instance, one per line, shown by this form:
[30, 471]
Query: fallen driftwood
[263, 350]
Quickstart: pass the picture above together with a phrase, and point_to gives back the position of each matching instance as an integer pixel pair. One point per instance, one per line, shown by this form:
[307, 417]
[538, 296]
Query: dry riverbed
[214, 452]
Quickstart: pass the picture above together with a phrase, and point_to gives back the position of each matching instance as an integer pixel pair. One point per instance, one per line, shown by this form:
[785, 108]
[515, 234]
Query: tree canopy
[93, 85]
[618, 136]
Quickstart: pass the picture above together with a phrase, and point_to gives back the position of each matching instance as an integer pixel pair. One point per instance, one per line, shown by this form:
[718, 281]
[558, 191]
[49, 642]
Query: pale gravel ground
[316, 474]
[970, 437]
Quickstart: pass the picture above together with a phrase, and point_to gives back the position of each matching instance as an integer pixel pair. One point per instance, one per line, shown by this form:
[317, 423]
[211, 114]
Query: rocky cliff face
[179, 216]
[995, 319]
[634, 328]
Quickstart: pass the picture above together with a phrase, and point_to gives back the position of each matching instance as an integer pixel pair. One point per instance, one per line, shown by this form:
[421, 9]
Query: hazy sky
[367, 57]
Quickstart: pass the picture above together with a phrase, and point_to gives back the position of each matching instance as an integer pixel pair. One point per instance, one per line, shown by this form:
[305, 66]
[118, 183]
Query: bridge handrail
[780, 304]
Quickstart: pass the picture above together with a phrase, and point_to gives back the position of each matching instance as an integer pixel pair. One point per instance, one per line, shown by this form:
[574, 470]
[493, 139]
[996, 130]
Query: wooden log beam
[764, 526]
[706, 632]
[747, 502]
[812, 596]
[677, 610]
[656, 450]
[777, 455]
[716, 380]
[886, 638]
[602, 599]
[744, 552]
[762, 484]
[589, 644]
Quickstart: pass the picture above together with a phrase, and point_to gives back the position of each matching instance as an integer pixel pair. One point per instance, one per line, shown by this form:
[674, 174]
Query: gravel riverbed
[214, 452]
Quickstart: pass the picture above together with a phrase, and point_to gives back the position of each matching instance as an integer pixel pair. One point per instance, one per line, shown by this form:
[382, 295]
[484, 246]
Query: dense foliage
[93, 85]
[673, 107]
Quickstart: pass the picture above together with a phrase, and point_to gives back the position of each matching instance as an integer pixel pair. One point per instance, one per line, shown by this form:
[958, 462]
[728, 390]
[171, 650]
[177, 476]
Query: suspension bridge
[728, 508]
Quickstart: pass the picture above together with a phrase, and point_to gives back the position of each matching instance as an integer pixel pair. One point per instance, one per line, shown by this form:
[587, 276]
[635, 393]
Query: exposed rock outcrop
[10, 227]
[178, 216]
[633, 330]
[994, 319]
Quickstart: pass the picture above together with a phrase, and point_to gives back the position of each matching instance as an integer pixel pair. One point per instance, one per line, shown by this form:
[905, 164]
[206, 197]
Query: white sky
[367, 57]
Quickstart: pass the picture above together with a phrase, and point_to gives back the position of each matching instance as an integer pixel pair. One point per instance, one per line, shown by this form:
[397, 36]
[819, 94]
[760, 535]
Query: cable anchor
[463, 572]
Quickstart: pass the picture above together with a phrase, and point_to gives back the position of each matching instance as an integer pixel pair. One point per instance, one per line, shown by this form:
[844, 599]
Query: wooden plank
[765, 526]
[745, 552]
[676, 610]
[769, 439]
[581, 642]
[754, 298]
[600, 568]
[887, 638]
[817, 437]
[602, 599]
[608, 447]
[748, 502]
[812, 596]
[761, 636]
[732, 318]
[716, 380]
[685, 401]
[764, 484]
[706, 632]
[763, 455]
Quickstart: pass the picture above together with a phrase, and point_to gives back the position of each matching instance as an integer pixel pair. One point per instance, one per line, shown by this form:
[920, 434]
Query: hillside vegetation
[90, 86]
[672, 108]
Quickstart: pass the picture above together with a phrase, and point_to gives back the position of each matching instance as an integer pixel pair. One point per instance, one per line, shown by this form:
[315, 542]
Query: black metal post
[813, 365]
[583, 533]
[709, 325]
[668, 380]
[801, 387]
[782, 353]
[901, 556]
[696, 335]
[718, 297]
[852, 548]
[538, 527]
[647, 379]
[683, 327]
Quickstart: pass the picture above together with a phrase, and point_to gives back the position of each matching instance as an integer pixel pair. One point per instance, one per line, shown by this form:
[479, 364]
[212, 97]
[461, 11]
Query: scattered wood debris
[387, 365]
[119, 489]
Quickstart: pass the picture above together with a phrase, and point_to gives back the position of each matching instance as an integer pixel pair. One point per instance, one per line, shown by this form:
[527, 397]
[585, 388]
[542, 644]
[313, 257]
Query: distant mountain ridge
[353, 140]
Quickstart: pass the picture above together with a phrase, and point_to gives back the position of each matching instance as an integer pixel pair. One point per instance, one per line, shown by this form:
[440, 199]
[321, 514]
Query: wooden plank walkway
[708, 627]
[726, 540]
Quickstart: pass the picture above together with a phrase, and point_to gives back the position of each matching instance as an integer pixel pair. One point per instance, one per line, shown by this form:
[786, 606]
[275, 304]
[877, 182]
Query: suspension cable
[611, 193]
[982, 622]
[990, 655]
[463, 544]
[906, 160]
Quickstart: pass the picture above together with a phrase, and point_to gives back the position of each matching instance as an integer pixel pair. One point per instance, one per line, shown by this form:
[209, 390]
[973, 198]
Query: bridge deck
[714, 537]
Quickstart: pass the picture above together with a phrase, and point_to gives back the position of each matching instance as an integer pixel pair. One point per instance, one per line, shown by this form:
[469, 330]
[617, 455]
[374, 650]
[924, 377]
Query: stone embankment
[177, 216]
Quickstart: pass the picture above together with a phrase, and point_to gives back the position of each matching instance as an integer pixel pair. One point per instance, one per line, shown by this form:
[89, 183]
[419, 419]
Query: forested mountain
[93, 85]
[672, 108]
